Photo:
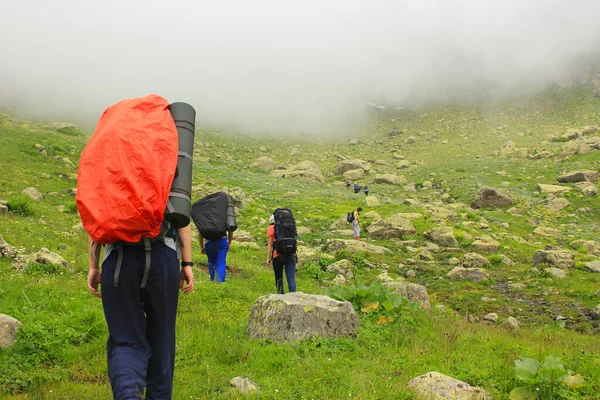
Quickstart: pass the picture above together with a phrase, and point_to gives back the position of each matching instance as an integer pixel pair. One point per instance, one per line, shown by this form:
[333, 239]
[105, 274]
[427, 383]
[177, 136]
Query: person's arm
[269, 250]
[230, 237]
[186, 275]
[93, 278]
[202, 249]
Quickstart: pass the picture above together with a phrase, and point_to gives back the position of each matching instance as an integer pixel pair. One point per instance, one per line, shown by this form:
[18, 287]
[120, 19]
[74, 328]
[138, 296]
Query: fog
[281, 67]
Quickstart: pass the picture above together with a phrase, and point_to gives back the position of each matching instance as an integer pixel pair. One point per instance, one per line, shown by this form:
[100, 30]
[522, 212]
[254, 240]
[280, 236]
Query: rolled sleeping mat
[179, 206]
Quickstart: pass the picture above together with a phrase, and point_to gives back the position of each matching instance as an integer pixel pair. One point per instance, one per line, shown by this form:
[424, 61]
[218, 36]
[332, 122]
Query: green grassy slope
[60, 352]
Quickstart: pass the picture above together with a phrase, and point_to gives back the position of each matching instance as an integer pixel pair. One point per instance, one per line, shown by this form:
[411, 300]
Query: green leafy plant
[313, 270]
[22, 205]
[549, 380]
[368, 299]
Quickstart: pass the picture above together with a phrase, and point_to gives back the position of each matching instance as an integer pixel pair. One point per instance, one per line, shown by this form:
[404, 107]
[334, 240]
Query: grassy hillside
[60, 352]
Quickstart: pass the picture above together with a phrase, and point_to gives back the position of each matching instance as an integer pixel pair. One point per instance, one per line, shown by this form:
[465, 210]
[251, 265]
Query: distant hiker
[357, 188]
[366, 190]
[355, 224]
[281, 248]
[126, 180]
[348, 184]
[214, 216]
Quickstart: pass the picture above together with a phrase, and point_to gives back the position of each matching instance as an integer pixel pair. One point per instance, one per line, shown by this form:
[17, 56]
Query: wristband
[187, 263]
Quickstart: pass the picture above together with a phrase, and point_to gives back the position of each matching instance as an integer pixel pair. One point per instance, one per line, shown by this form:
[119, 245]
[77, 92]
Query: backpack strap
[148, 250]
[119, 248]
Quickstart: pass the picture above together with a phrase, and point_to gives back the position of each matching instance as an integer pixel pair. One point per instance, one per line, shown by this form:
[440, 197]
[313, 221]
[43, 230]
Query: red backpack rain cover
[126, 171]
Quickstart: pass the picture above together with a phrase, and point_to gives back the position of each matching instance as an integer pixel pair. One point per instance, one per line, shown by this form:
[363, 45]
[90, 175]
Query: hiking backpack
[286, 236]
[126, 171]
[214, 215]
[127, 175]
[350, 217]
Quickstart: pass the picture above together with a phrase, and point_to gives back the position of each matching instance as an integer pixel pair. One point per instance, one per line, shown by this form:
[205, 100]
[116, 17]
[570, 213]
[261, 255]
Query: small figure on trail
[281, 248]
[355, 224]
[366, 190]
[348, 184]
[357, 188]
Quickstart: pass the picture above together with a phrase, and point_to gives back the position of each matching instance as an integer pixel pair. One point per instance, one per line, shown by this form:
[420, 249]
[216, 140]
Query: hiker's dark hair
[359, 209]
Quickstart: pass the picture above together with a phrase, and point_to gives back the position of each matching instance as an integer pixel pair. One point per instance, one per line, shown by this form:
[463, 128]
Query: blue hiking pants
[216, 252]
[141, 322]
[287, 263]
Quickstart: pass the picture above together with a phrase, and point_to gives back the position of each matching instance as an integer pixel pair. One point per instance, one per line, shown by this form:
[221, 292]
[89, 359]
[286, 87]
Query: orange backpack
[126, 171]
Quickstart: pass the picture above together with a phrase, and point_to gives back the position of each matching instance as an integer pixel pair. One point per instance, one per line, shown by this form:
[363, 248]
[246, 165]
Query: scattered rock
[485, 243]
[354, 174]
[553, 189]
[556, 272]
[296, 316]
[306, 169]
[394, 227]
[443, 235]
[263, 164]
[390, 179]
[245, 385]
[492, 198]
[372, 201]
[9, 328]
[354, 142]
[547, 232]
[43, 257]
[492, 317]
[412, 291]
[558, 258]
[7, 250]
[348, 165]
[395, 132]
[587, 188]
[355, 246]
[593, 266]
[33, 193]
[512, 323]
[434, 385]
[472, 274]
[557, 203]
[579, 176]
[342, 267]
[474, 260]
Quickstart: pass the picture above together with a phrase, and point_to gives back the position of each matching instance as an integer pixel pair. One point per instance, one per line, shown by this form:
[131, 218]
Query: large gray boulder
[263, 164]
[355, 246]
[306, 170]
[492, 198]
[297, 316]
[587, 188]
[394, 227]
[342, 267]
[437, 386]
[443, 235]
[579, 176]
[9, 328]
[347, 165]
[471, 274]
[557, 258]
[474, 260]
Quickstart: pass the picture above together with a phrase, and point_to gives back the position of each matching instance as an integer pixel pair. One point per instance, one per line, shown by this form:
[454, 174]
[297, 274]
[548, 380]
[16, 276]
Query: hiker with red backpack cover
[281, 248]
[130, 203]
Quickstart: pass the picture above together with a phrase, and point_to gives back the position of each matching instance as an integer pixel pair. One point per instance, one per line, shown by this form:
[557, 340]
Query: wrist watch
[187, 263]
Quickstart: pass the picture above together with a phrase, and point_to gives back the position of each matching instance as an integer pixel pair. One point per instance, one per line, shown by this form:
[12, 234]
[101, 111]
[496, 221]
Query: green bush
[22, 205]
[549, 380]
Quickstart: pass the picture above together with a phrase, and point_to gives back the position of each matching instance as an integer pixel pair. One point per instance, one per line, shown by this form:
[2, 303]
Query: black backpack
[350, 217]
[214, 215]
[286, 236]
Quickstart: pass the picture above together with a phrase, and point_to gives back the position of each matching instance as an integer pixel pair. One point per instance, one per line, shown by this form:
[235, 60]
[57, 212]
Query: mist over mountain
[272, 67]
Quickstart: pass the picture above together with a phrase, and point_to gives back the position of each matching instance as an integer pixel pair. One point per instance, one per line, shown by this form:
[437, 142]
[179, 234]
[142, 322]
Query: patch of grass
[21, 205]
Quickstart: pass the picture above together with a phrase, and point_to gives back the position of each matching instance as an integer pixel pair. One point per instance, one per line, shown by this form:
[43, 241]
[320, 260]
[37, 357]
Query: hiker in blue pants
[141, 318]
[280, 262]
[216, 252]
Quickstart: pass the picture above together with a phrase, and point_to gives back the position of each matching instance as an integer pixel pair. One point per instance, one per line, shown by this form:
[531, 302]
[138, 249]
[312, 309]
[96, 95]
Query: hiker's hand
[203, 250]
[186, 275]
[93, 280]
[268, 264]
